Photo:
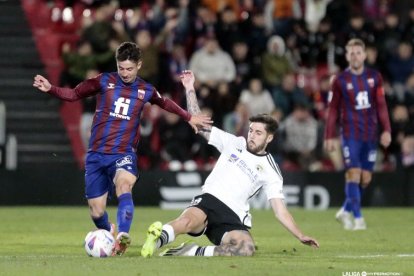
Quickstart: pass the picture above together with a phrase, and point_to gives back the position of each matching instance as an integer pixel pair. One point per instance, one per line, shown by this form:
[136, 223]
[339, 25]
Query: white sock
[167, 235]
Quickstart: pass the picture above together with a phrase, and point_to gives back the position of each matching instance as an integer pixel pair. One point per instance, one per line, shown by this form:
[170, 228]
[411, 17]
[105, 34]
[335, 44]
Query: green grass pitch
[49, 241]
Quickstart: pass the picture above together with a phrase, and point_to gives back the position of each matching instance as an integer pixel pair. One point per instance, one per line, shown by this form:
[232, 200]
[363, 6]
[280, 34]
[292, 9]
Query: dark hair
[128, 51]
[271, 125]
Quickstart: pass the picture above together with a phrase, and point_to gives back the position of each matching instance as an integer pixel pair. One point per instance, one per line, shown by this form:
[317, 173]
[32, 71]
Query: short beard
[256, 149]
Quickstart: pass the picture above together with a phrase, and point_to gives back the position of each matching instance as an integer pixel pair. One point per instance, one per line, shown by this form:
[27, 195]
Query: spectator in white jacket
[211, 65]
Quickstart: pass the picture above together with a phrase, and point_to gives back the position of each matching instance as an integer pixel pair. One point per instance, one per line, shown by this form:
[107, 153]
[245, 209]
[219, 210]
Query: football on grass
[99, 243]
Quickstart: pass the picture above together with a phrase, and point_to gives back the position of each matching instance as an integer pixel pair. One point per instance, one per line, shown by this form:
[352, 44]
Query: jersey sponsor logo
[121, 108]
[126, 160]
[233, 158]
[141, 94]
[111, 85]
[362, 100]
[349, 86]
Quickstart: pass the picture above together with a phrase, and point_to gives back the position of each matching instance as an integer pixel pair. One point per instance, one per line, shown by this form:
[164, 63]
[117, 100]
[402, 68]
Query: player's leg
[96, 191]
[124, 181]
[98, 214]
[236, 243]
[351, 152]
[192, 220]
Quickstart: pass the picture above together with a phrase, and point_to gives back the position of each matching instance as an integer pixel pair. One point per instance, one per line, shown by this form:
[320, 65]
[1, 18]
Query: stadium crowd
[249, 57]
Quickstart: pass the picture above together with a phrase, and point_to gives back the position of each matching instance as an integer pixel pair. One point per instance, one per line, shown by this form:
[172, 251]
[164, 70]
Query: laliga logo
[124, 161]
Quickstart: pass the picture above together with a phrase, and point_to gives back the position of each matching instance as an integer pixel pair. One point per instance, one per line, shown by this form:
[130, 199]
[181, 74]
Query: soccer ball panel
[99, 243]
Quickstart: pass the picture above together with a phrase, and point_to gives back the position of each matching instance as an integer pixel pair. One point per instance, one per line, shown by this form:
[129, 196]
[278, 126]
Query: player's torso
[117, 116]
[358, 107]
[238, 174]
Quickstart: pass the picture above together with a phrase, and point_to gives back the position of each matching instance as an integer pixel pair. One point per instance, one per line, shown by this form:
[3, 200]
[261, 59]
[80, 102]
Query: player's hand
[199, 122]
[329, 145]
[309, 241]
[41, 83]
[385, 139]
[187, 79]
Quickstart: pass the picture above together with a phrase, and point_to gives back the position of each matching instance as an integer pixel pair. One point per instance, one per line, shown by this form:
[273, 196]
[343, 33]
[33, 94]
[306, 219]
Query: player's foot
[182, 250]
[345, 218]
[153, 233]
[359, 224]
[123, 241]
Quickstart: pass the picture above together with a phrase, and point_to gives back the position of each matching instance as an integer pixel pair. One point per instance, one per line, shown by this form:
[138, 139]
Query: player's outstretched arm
[187, 79]
[41, 83]
[283, 215]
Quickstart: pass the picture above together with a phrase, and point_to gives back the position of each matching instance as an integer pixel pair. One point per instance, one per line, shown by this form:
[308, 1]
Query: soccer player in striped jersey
[358, 100]
[221, 212]
[111, 161]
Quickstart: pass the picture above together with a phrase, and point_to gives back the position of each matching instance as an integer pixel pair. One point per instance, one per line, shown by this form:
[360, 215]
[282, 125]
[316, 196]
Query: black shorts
[220, 218]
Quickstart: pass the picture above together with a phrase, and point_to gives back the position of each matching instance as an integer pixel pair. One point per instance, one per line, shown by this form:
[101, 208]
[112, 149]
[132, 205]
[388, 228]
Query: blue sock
[102, 222]
[125, 212]
[347, 203]
[354, 197]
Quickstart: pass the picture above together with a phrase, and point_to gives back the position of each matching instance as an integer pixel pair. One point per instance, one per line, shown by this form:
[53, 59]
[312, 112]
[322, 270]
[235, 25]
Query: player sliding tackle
[221, 212]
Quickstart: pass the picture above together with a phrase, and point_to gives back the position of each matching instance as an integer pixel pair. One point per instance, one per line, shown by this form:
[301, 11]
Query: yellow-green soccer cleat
[153, 233]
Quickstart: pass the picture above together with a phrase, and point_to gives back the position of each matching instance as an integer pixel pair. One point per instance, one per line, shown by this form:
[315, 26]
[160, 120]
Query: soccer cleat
[153, 234]
[345, 218]
[123, 241]
[182, 250]
[359, 224]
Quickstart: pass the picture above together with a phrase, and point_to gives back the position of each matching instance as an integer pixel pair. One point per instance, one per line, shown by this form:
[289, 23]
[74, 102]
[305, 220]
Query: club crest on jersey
[141, 94]
[111, 85]
[371, 82]
[233, 158]
[349, 86]
[126, 160]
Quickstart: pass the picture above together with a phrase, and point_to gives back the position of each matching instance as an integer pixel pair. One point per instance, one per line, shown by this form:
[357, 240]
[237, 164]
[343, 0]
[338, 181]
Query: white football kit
[239, 174]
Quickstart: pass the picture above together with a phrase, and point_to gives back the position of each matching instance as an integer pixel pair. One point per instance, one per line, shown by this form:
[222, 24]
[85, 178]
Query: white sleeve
[220, 138]
[274, 189]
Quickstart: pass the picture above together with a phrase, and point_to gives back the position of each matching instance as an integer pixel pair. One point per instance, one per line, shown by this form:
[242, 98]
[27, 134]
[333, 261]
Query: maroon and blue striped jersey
[115, 127]
[359, 102]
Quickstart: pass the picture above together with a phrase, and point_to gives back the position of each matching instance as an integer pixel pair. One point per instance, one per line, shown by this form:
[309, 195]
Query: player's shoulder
[273, 165]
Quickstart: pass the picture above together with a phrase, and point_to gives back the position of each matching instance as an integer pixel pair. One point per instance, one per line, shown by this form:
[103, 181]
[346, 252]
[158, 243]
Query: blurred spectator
[177, 62]
[243, 62]
[321, 98]
[288, 95]
[134, 20]
[237, 121]
[315, 11]
[401, 126]
[222, 101]
[88, 111]
[401, 65]
[257, 99]
[212, 65]
[227, 29]
[275, 64]
[99, 30]
[150, 57]
[176, 141]
[300, 132]
[281, 14]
